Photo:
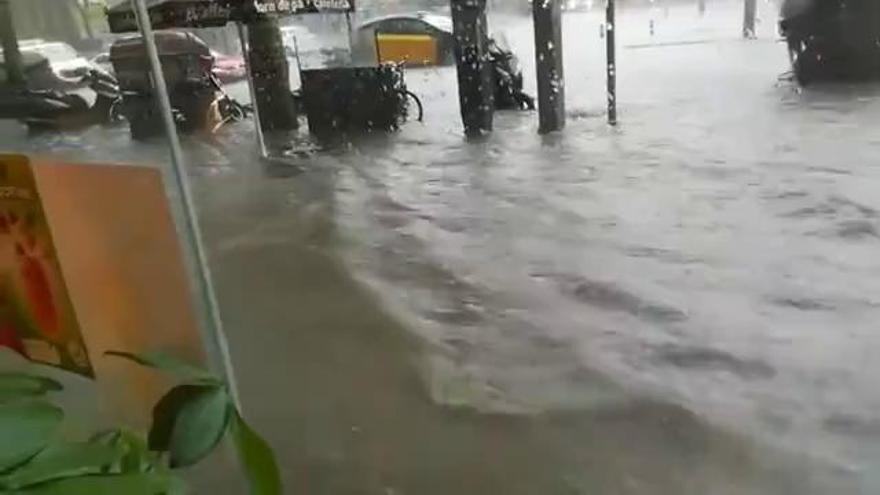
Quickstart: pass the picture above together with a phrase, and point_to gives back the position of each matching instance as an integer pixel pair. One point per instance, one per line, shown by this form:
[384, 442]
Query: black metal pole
[475, 87]
[11, 53]
[611, 60]
[547, 17]
[750, 12]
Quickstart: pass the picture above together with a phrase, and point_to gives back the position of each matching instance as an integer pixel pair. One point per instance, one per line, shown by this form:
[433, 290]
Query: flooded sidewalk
[338, 384]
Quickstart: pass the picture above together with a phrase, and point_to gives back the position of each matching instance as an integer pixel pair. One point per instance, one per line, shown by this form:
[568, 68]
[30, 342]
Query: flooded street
[684, 304]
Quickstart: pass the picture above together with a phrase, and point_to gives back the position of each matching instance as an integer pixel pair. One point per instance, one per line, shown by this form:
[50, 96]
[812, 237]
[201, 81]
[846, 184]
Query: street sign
[166, 14]
[300, 6]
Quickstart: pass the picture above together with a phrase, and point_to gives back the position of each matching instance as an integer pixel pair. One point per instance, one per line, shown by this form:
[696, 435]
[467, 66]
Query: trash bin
[354, 99]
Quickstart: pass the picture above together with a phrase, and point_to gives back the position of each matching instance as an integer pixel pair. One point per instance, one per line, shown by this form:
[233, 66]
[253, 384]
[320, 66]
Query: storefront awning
[165, 14]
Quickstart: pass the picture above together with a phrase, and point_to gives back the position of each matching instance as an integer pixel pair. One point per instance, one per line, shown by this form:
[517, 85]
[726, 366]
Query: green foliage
[26, 428]
[165, 413]
[169, 364]
[114, 484]
[200, 424]
[135, 456]
[64, 460]
[17, 385]
[257, 458]
[189, 421]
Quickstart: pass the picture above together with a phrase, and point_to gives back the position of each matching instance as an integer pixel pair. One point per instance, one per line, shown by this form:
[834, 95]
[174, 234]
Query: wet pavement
[685, 304]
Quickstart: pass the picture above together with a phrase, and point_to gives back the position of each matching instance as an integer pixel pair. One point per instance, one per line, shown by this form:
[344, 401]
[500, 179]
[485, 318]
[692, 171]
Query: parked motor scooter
[508, 78]
[53, 110]
[49, 102]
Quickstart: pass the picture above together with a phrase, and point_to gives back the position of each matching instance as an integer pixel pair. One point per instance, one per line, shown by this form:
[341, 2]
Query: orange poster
[36, 316]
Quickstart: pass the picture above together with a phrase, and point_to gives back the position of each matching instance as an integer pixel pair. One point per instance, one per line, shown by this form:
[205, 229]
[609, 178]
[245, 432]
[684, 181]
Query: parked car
[567, 5]
[418, 39]
[228, 68]
[577, 5]
[312, 50]
[102, 60]
[64, 60]
[297, 37]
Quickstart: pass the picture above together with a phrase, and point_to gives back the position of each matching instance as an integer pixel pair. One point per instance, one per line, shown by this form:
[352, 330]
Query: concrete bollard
[475, 81]
[547, 17]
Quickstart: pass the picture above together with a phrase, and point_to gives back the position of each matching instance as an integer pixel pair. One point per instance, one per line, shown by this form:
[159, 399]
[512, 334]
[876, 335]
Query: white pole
[212, 328]
[350, 32]
[242, 39]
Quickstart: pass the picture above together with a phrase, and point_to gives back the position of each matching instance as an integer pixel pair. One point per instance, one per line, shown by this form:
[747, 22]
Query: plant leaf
[62, 461]
[135, 456]
[200, 424]
[257, 458]
[25, 430]
[169, 364]
[124, 484]
[165, 413]
[20, 385]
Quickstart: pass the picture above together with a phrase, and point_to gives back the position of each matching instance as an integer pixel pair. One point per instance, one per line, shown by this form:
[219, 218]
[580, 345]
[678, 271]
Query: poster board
[37, 319]
[118, 253]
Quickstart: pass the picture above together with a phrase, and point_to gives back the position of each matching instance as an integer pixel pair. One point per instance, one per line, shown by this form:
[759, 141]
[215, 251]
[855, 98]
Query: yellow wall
[414, 49]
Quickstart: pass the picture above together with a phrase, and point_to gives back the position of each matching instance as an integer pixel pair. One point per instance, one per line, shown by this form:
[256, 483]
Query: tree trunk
[271, 75]
[11, 54]
[476, 94]
[547, 18]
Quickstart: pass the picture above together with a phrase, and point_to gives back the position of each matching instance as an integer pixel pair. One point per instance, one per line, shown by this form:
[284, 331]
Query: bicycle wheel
[418, 103]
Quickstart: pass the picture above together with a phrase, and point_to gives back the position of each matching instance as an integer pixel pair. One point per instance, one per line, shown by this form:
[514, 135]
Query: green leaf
[257, 458]
[25, 430]
[135, 456]
[125, 484]
[200, 424]
[21, 385]
[165, 413]
[169, 364]
[62, 461]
